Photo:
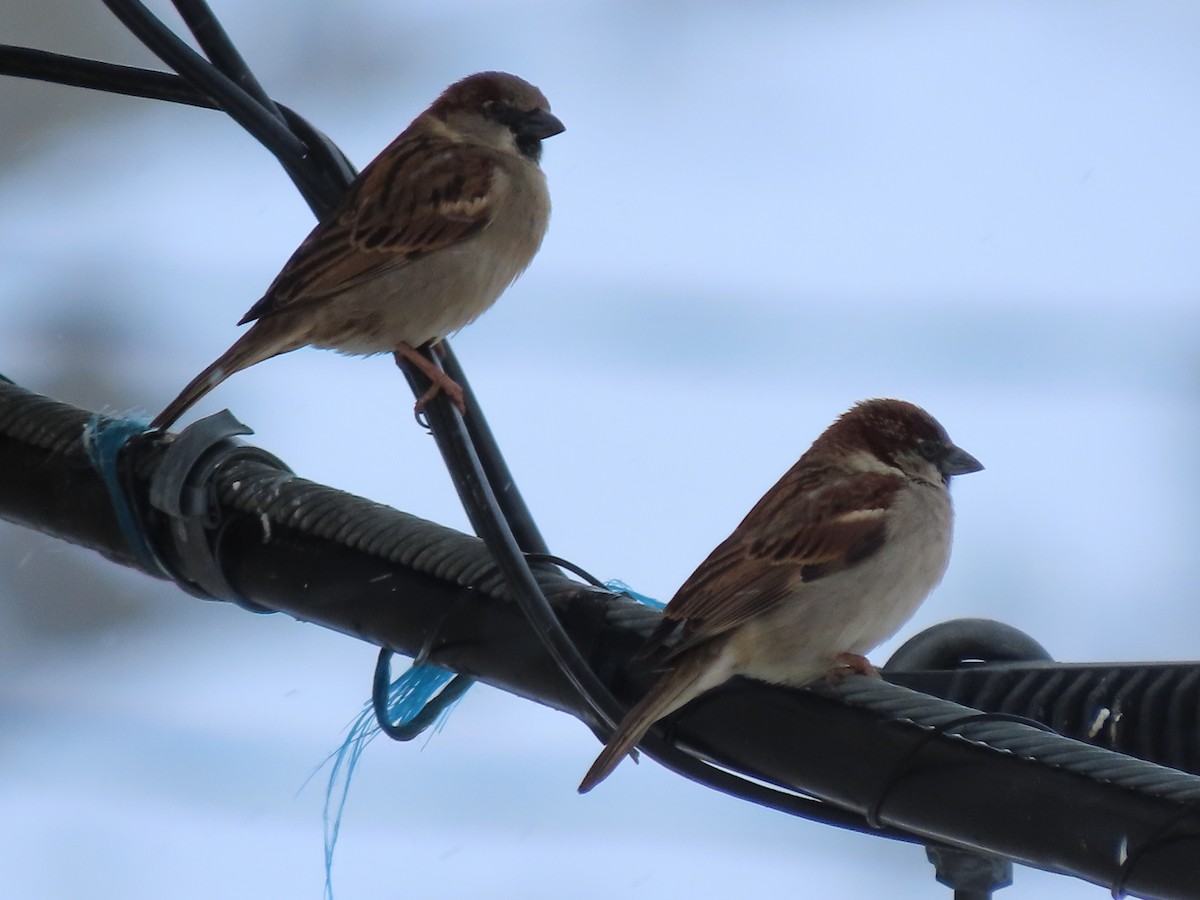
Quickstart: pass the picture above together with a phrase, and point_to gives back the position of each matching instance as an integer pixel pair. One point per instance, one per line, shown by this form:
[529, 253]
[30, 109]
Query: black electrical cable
[112, 78]
[320, 193]
[132, 81]
[325, 557]
[221, 52]
[495, 468]
[482, 509]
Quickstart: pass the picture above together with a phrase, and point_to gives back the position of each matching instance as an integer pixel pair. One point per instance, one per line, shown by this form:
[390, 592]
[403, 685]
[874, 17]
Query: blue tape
[617, 586]
[103, 439]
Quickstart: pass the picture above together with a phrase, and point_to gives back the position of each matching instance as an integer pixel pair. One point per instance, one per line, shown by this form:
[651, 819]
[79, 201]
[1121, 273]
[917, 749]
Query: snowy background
[763, 213]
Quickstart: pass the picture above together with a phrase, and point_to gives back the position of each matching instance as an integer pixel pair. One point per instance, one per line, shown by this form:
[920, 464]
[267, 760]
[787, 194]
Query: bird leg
[440, 381]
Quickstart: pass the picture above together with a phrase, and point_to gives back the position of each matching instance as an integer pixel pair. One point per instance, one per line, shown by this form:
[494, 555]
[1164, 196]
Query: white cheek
[862, 461]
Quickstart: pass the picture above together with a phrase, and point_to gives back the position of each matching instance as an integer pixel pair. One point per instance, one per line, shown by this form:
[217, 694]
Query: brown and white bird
[428, 235]
[830, 562]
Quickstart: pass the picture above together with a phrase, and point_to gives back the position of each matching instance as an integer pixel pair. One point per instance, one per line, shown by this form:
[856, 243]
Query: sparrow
[425, 239]
[829, 563]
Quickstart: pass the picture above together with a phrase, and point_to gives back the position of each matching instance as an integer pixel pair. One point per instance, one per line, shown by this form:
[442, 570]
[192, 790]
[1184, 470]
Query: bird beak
[959, 462]
[541, 124]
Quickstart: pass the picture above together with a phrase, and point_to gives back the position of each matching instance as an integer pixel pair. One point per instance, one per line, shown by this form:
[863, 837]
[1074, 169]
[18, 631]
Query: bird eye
[930, 449]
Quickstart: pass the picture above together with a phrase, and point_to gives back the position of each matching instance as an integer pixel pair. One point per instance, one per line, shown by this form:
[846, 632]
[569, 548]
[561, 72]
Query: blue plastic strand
[407, 696]
[617, 586]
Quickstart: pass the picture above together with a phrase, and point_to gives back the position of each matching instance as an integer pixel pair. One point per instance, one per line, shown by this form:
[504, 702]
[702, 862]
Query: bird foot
[441, 383]
[852, 664]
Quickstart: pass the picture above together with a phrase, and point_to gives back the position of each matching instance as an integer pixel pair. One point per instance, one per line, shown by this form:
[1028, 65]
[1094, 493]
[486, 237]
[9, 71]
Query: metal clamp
[183, 487]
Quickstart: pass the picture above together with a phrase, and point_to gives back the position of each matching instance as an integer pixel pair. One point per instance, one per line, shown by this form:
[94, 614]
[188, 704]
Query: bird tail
[252, 347]
[691, 676]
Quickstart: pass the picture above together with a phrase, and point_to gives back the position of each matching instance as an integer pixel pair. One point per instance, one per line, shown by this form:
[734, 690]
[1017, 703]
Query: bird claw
[852, 664]
[440, 382]
[451, 388]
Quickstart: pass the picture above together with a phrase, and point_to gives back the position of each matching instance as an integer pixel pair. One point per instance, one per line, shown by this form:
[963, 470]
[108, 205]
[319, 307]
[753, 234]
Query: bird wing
[810, 526]
[409, 202]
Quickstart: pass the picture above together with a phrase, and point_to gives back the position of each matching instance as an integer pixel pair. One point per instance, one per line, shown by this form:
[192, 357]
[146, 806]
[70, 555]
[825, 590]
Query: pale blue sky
[763, 213]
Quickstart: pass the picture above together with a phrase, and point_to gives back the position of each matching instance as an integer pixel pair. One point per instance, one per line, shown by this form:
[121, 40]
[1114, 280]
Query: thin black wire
[42, 65]
[221, 52]
[573, 568]
[320, 193]
[312, 175]
[479, 501]
[132, 81]
[495, 468]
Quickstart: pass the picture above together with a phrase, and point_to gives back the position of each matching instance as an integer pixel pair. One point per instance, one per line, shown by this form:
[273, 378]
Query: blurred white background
[763, 213]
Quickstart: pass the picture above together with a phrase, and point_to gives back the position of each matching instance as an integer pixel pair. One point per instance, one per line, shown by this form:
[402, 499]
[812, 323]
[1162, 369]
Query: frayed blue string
[617, 586]
[407, 696]
[103, 440]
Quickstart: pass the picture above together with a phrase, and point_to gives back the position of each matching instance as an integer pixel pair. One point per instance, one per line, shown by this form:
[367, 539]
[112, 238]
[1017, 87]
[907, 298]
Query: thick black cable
[241, 106]
[325, 557]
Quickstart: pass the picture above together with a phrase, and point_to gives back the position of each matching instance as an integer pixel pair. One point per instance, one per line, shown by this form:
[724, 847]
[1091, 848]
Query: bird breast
[434, 296]
[853, 610]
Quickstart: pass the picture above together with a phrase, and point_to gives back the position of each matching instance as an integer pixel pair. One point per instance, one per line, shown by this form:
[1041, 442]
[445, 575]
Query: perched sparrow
[427, 237]
[829, 563]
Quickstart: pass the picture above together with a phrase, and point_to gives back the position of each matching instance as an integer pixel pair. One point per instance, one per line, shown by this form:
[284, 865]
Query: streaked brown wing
[429, 195]
[809, 526]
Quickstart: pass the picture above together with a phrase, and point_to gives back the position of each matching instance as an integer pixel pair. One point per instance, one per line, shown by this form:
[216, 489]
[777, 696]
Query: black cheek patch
[530, 147]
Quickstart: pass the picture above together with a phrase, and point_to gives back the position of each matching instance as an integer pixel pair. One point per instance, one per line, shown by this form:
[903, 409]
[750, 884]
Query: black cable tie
[182, 487]
[1159, 838]
[902, 765]
[573, 568]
